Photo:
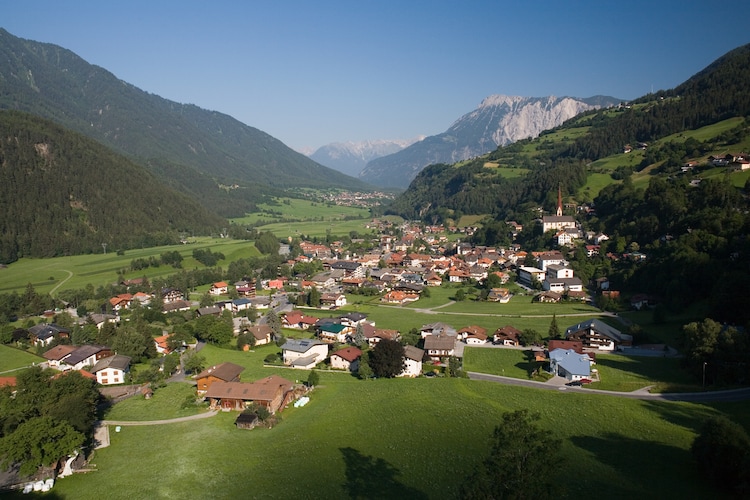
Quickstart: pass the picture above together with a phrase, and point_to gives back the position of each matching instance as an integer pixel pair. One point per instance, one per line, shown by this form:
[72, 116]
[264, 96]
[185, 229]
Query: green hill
[62, 193]
[54, 83]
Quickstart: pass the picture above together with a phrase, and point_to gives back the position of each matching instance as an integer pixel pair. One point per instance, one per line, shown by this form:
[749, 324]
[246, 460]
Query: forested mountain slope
[55, 83]
[62, 193]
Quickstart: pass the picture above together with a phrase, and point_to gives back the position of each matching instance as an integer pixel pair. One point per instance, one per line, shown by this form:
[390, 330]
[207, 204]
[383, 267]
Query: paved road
[695, 397]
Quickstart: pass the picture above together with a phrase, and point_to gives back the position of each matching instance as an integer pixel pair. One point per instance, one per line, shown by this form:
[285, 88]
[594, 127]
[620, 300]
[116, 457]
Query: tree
[313, 379]
[39, 442]
[359, 336]
[194, 362]
[313, 298]
[365, 372]
[522, 459]
[206, 300]
[387, 359]
[721, 450]
[529, 337]
[460, 295]
[273, 321]
[554, 331]
[454, 367]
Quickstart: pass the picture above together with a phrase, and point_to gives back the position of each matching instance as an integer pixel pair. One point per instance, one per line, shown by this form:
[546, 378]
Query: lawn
[416, 438]
[167, 402]
[498, 361]
[11, 359]
[301, 210]
[629, 373]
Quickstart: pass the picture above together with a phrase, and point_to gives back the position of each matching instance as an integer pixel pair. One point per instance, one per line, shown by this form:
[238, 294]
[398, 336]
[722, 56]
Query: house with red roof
[346, 359]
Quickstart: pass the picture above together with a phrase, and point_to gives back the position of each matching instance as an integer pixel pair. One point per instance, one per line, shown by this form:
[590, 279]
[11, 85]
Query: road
[693, 397]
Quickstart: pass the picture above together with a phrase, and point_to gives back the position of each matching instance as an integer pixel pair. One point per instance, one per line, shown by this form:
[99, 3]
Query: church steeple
[559, 200]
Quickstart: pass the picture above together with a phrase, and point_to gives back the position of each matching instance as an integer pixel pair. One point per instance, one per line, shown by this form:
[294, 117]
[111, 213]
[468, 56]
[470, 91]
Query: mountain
[351, 158]
[62, 193]
[54, 83]
[498, 120]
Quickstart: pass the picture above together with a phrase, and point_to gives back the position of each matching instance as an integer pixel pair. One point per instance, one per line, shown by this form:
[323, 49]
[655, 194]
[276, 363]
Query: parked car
[575, 383]
[586, 380]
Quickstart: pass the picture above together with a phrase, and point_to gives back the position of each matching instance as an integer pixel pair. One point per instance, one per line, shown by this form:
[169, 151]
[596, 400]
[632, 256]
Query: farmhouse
[596, 334]
[272, 392]
[473, 335]
[507, 335]
[85, 355]
[261, 333]
[223, 372]
[440, 346]
[57, 354]
[44, 334]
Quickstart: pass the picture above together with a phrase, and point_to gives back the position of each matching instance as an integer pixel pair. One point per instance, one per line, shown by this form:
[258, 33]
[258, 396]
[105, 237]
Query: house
[219, 288]
[57, 354]
[85, 355]
[223, 372]
[596, 334]
[436, 329]
[246, 420]
[575, 345]
[120, 302]
[346, 359]
[245, 288]
[562, 285]
[569, 364]
[473, 335]
[557, 222]
[295, 319]
[304, 353]
[111, 370]
[171, 295]
[412, 361]
[530, 275]
[353, 319]
[100, 319]
[507, 335]
[332, 300]
[334, 332]
[176, 305]
[548, 297]
[261, 333]
[273, 393]
[208, 311]
[440, 346]
[375, 335]
[162, 344]
[398, 297]
[501, 295]
[44, 333]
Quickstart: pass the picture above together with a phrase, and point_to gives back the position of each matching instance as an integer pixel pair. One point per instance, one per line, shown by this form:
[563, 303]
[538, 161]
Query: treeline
[63, 194]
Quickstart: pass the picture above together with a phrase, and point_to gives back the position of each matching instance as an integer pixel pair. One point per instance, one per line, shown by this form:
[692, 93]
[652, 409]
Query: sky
[315, 72]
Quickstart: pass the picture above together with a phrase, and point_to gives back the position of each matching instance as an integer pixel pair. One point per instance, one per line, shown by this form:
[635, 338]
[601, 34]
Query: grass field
[629, 373]
[497, 361]
[401, 439]
[166, 403]
[11, 359]
[302, 210]
[62, 273]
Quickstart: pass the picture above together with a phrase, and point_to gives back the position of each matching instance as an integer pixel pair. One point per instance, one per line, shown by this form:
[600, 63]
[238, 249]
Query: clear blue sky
[314, 72]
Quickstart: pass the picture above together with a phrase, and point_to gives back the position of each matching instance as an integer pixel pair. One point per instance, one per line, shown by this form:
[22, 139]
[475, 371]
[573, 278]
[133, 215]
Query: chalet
[562, 285]
[375, 335]
[440, 346]
[346, 359]
[332, 300]
[223, 372]
[501, 295]
[295, 319]
[241, 304]
[398, 297]
[162, 344]
[548, 297]
[176, 305]
[100, 319]
[412, 361]
[433, 279]
[273, 393]
[120, 302]
[219, 288]
[143, 298]
[171, 295]
[569, 364]
[353, 319]
[437, 329]
[473, 335]
[351, 268]
[57, 354]
[595, 334]
[334, 332]
[507, 335]
[85, 355]
[45, 333]
[263, 334]
[245, 288]
[304, 353]
[456, 275]
[111, 370]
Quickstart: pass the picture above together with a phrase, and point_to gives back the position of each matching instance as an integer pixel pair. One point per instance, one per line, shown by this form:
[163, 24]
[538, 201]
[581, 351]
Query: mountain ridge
[351, 157]
[498, 120]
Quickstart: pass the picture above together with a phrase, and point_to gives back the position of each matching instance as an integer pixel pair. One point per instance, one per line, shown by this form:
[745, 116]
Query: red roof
[9, 381]
[350, 354]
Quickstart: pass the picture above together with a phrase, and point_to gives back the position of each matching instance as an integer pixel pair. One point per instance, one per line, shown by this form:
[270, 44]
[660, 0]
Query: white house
[346, 359]
[304, 353]
[412, 361]
[111, 370]
[569, 364]
[596, 334]
[528, 275]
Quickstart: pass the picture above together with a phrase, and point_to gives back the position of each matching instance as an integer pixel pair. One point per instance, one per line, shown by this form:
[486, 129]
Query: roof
[412, 352]
[260, 332]
[59, 352]
[571, 361]
[7, 381]
[44, 330]
[223, 371]
[350, 354]
[265, 389]
[83, 352]
[301, 345]
[601, 328]
[117, 361]
[439, 342]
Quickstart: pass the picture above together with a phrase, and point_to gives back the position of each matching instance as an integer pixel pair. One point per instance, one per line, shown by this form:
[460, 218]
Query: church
[558, 221]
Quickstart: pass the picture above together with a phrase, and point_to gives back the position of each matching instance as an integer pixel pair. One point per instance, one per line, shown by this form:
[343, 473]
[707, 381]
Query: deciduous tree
[387, 358]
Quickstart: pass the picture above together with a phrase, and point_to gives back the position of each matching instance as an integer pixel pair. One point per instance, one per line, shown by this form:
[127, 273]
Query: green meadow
[62, 273]
[12, 359]
[415, 438]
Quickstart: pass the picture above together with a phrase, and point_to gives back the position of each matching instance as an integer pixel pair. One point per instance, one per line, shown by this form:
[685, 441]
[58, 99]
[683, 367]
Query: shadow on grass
[646, 469]
[689, 415]
[370, 477]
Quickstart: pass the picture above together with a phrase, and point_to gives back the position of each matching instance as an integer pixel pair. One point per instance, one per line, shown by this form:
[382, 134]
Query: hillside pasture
[418, 438]
[73, 272]
[12, 359]
[294, 209]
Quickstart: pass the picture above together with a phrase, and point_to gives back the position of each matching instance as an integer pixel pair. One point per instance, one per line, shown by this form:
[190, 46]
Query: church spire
[559, 200]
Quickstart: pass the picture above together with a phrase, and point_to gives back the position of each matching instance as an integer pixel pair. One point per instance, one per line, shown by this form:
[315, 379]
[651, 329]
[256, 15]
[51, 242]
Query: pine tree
[554, 330]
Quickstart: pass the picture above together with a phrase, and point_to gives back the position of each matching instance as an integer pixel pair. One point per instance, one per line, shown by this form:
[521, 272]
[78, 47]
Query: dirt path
[70, 275]
[101, 431]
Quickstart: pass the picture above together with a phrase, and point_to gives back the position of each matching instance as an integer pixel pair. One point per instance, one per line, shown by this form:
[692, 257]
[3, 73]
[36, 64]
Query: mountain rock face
[351, 158]
[52, 82]
[499, 120]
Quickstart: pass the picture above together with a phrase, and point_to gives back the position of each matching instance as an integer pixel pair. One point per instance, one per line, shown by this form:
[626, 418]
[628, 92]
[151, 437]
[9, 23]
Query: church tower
[559, 200]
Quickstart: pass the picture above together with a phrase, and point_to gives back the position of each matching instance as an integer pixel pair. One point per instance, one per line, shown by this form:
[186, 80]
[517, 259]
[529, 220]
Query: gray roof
[117, 361]
[82, 353]
[412, 352]
[601, 328]
[301, 345]
[572, 362]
